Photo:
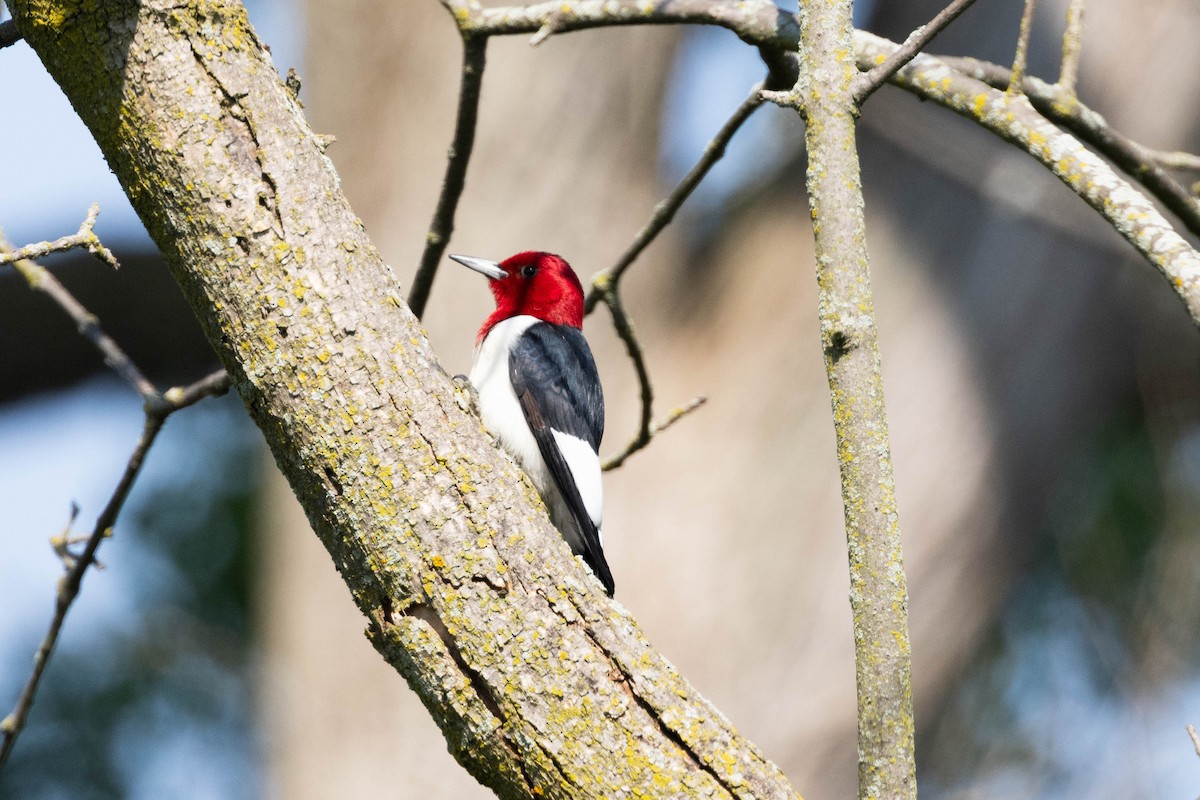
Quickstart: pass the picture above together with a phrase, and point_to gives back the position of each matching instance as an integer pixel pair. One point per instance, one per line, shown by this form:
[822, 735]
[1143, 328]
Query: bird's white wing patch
[584, 464]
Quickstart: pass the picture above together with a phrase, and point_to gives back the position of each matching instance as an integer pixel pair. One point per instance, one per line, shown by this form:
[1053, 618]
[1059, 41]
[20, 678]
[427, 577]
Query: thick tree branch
[878, 589]
[442, 226]
[1014, 119]
[1062, 107]
[542, 686]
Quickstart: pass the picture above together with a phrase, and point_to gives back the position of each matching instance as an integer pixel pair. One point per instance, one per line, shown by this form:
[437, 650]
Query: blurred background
[1042, 384]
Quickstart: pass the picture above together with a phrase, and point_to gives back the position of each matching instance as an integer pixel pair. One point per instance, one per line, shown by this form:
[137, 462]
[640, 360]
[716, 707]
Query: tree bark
[541, 686]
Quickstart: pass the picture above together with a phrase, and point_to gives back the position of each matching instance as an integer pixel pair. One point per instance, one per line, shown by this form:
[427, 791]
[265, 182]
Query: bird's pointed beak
[482, 266]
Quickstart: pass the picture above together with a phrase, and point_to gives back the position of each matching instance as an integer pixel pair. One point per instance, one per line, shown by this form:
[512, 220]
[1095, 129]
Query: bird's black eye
[529, 270]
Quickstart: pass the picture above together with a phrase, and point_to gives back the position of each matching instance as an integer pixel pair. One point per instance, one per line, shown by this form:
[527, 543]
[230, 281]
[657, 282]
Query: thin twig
[624, 326]
[8, 33]
[1173, 159]
[1068, 74]
[68, 588]
[41, 279]
[442, 226]
[85, 237]
[656, 428]
[1195, 738]
[867, 82]
[1018, 67]
[665, 211]
[1140, 163]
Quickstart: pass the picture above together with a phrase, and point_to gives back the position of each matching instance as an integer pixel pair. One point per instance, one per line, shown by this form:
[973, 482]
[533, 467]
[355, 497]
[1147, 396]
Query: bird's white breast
[498, 405]
[502, 415]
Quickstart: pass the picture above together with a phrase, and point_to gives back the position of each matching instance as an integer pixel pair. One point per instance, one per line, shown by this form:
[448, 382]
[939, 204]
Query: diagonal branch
[9, 35]
[69, 586]
[42, 280]
[1015, 120]
[442, 226]
[1148, 167]
[666, 209]
[866, 83]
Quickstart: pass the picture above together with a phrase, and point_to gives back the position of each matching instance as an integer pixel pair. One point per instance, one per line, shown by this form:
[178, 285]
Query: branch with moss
[542, 686]
[1012, 117]
[157, 407]
[825, 95]
[1059, 104]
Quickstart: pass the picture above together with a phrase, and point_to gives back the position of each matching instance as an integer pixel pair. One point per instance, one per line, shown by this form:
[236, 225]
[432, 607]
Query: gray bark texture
[541, 686]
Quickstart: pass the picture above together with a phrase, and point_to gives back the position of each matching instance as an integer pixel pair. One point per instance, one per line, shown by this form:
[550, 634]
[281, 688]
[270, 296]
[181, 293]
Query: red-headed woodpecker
[539, 392]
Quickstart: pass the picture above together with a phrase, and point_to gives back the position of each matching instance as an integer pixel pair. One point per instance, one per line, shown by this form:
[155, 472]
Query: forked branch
[157, 408]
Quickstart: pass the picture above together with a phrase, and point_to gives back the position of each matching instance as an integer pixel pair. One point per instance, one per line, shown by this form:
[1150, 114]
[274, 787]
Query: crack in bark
[232, 105]
[627, 679]
[425, 612]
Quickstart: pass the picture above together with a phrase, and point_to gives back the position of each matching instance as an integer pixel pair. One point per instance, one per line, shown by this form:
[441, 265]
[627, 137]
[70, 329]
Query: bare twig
[1062, 108]
[677, 413]
[442, 226]
[1195, 738]
[647, 428]
[666, 209]
[157, 407]
[85, 237]
[68, 588]
[1173, 160]
[8, 33]
[1068, 74]
[867, 82]
[42, 280]
[1018, 67]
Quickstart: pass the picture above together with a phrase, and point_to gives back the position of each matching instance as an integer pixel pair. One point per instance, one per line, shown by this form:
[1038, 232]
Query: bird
[539, 392]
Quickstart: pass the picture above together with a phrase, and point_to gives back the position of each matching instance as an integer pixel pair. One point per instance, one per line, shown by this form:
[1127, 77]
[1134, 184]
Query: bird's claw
[466, 394]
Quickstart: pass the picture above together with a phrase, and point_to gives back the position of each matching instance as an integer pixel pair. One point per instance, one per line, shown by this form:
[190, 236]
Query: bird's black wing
[556, 383]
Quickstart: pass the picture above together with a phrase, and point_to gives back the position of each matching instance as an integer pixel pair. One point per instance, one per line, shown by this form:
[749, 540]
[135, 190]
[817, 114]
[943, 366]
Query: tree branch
[541, 685]
[1068, 73]
[1018, 67]
[1015, 120]
[758, 22]
[849, 339]
[666, 209]
[157, 408]
[42, 280]
[609, 293]
[442, 226]
[1063, 108]
[9, 35]
[866, 83]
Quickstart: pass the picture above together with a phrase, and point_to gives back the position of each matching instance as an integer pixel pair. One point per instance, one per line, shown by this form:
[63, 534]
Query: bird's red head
[541, 285]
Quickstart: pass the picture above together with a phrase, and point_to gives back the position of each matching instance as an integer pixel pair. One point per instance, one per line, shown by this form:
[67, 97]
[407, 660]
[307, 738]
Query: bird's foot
[466, 394]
